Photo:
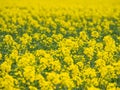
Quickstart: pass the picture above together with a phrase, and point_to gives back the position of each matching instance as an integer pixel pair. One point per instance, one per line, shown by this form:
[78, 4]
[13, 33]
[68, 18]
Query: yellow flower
[53, 77]
[100, 63]
[68, 60]
[63, 31]
[83, 35]
[57, 38]
[74, 71]
[89, 52]
[47, 86]
[111, 86]
[110, 44]
[95, 34]
[40, 78]
[0, 56]
[8, 39]
[92, 43]
[32, 88]
[92, 88]
[7, 82]
[40, 52]
[80, 65]
[89, 72]
[26, 60]
[29, 73]
[65, 51]
[99, 46]
[5, 67]
[36, 36]
[25, 39]
[103, 71]
[21, 21]
[56, 65]
[94, 81]
[14, 55]
[66, 81]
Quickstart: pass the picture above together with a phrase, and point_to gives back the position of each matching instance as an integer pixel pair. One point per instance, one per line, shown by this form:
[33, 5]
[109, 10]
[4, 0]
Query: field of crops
[48, 47]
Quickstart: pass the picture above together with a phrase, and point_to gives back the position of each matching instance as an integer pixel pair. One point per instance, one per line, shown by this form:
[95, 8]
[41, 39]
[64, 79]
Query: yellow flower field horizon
[58, 3]
[59, 45]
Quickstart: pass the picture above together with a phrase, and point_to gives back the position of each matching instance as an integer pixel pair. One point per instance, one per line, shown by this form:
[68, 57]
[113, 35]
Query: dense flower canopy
[59, 48]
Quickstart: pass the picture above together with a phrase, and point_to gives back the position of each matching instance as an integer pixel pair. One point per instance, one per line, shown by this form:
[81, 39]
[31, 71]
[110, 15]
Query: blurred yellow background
[58, 3]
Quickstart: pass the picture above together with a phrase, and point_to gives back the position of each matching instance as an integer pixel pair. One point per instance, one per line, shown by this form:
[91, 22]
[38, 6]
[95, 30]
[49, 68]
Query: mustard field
[59, 45]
